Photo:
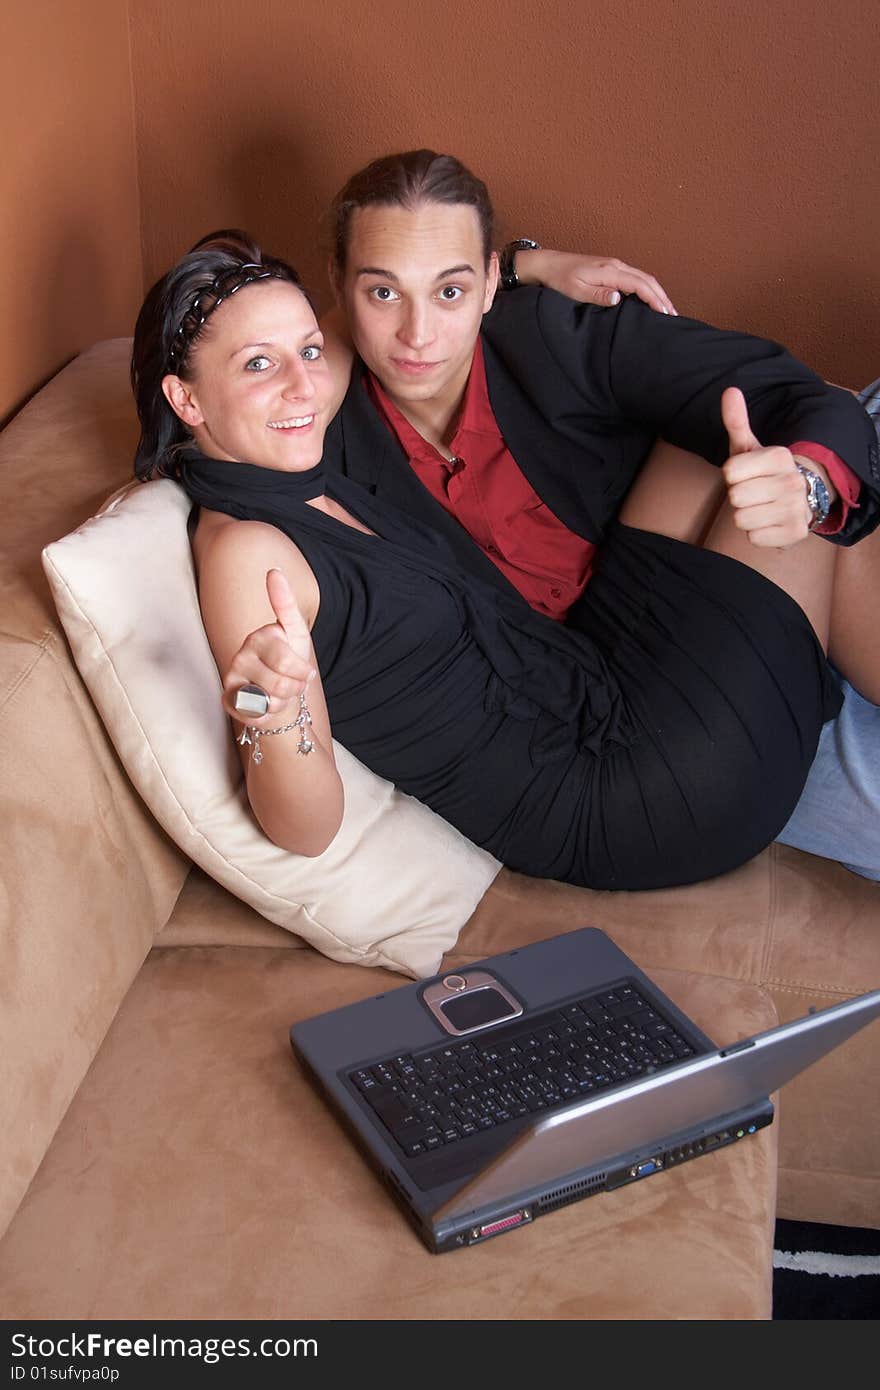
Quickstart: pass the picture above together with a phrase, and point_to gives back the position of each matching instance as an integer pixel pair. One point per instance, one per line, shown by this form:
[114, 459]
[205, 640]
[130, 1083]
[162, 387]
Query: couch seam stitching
[39, 651]
[780, 982]
[772, 905]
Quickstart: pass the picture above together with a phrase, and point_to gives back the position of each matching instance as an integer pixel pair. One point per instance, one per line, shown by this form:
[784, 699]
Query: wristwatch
[507, 260]
[818, 499]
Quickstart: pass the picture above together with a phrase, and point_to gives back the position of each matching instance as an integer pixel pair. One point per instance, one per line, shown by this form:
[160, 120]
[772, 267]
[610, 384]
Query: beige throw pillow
[397, 883]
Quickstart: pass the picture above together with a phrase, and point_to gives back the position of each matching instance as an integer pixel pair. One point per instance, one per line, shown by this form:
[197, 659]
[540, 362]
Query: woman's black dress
[666, 742]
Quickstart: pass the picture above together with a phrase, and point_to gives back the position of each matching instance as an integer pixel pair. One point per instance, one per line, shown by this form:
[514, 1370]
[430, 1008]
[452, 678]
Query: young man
[516, 425]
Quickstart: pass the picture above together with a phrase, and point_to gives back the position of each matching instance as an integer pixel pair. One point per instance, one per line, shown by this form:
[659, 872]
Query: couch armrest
[88, 880]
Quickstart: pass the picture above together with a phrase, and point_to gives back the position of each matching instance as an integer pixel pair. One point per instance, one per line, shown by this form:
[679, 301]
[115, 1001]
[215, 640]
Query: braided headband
[221, 287]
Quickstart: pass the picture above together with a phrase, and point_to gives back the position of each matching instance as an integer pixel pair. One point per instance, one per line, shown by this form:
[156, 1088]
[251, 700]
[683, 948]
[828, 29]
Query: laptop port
[650, 1165]
[504, 1223]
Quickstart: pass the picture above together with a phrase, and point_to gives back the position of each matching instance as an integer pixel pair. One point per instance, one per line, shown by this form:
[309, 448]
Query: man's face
[415, 289]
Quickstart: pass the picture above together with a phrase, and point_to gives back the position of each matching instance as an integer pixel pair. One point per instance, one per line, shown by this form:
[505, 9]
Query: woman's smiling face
[259, 389]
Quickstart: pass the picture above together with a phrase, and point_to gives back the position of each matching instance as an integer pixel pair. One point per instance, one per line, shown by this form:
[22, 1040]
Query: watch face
[822, 498]
[818, 499]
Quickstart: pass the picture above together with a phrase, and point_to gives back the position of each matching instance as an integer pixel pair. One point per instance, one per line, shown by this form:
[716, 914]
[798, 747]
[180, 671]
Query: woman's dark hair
[406, 180]
[172, 319]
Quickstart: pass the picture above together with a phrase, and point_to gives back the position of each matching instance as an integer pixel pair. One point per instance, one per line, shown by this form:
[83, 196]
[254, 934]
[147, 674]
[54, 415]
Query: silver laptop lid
[595, 1131]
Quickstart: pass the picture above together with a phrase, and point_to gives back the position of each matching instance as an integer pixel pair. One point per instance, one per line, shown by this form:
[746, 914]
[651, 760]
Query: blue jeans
[838, 815]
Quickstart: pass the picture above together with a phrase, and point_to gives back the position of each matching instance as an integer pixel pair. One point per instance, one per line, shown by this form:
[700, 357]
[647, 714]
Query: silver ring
[251, 699]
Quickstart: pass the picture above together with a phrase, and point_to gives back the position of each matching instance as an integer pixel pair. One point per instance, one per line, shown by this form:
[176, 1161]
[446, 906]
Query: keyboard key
[389, 1109]
[658, 1029]
[627, 992]
[546, 1035]
[624, 1007]
[365, 1081]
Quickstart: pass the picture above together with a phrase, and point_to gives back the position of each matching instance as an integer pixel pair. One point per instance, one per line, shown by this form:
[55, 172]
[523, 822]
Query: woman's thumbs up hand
[277, 657]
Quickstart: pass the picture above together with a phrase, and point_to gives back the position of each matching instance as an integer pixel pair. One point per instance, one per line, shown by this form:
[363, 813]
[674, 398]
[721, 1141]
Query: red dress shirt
[483, 487]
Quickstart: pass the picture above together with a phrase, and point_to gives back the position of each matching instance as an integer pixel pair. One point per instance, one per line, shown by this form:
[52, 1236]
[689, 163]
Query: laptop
[486, 1097]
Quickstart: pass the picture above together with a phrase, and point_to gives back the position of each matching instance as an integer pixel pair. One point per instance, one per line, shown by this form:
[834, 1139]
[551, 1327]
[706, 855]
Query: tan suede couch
[162, 1155]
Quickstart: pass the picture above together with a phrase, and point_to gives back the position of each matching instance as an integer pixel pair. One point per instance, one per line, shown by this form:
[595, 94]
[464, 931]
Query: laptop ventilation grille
[572, 1192]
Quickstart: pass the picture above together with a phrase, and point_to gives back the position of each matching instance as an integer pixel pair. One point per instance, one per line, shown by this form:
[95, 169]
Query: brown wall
[729, 147]
[70, 262]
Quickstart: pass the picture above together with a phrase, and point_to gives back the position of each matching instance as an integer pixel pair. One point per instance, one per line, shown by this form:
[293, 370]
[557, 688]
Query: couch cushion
[396, 884]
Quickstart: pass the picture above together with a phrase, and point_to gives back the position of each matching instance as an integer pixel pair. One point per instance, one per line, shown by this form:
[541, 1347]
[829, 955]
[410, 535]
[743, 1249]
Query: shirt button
[492, 549]
[556, 593]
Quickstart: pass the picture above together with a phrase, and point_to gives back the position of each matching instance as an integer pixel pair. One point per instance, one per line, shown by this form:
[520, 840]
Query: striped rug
[825, 1271]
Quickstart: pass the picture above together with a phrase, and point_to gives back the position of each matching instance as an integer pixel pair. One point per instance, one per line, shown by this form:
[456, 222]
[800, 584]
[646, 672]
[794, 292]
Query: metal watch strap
[507, 260]
[818, 499]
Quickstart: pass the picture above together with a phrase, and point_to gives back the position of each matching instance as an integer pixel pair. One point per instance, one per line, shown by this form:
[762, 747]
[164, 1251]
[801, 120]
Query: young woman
[666, 742]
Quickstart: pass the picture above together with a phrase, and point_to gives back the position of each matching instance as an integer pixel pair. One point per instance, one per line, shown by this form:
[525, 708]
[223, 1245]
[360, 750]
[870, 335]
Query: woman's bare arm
[259, 599]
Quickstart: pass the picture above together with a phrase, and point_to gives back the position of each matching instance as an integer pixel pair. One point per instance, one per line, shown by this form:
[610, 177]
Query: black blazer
[580, 394]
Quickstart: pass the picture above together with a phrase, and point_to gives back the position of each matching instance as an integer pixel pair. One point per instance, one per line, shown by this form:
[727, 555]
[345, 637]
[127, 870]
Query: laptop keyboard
[442, 1095]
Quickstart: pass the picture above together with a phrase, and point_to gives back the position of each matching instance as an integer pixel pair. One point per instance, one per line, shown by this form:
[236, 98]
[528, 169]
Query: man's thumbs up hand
[764, 487]
[735, 415]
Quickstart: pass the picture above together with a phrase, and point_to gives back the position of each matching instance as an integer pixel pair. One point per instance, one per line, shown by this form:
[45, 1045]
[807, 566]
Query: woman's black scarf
[241, 489]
